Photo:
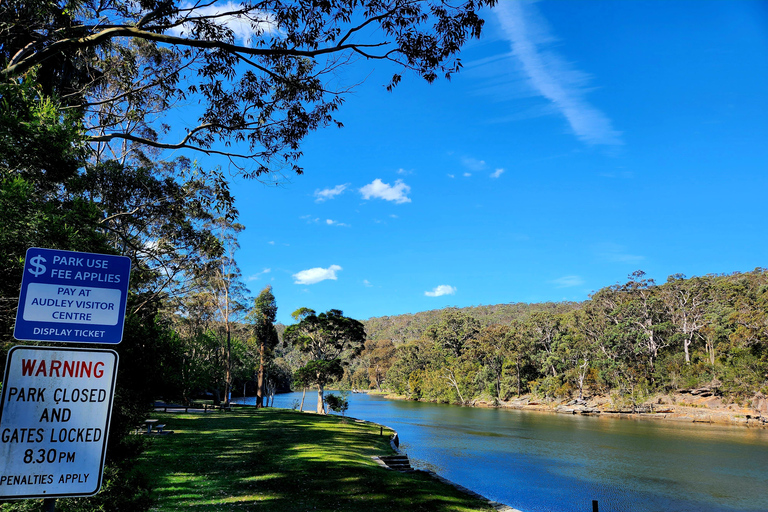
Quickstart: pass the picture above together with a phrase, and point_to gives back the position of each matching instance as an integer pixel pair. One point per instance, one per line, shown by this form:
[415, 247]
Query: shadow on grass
[285, 461]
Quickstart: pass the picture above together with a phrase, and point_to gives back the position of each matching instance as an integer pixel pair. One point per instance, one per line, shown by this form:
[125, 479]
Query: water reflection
[547, 462]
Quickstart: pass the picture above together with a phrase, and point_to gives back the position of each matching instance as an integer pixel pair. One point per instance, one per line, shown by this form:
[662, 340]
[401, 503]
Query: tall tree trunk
[228, 374]
[260, 387]
[301, 407]
[451, 377]
[320, 406]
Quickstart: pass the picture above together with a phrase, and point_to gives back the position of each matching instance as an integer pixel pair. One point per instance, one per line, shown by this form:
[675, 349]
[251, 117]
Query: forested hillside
[403, 328]
[627, 341]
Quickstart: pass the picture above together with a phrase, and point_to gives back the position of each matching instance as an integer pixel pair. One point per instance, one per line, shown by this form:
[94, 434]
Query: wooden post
[594, 506]
[49, 505]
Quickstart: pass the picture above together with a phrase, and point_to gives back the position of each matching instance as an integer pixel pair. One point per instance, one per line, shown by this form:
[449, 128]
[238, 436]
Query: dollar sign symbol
[37, 262]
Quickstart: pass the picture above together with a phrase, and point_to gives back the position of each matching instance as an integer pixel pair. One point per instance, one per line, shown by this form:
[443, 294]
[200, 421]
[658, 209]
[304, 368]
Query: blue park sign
[74, 297]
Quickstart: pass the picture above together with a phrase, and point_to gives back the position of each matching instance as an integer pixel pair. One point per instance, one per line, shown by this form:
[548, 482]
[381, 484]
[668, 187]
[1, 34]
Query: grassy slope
[277, 460]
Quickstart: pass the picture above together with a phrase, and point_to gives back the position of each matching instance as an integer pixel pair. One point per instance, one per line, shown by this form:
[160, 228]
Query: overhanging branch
[25, 63]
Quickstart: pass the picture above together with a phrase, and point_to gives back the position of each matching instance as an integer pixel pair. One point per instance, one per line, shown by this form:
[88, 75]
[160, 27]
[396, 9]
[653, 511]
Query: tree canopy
[264, 72]
[329, 338]
[628, 342]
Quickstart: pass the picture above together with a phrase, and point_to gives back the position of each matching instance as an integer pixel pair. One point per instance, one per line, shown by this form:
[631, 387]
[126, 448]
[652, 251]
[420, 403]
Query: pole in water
[49, 505]
[594, 506]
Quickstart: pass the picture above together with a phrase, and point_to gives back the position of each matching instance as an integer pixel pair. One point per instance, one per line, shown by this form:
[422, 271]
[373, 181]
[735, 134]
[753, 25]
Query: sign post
[72, 297]
[54, 421]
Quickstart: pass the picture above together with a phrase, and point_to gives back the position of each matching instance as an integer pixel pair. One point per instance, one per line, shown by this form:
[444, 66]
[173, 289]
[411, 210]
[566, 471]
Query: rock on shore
[697, 406]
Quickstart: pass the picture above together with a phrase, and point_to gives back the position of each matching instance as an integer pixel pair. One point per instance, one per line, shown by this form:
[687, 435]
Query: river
[540, 462]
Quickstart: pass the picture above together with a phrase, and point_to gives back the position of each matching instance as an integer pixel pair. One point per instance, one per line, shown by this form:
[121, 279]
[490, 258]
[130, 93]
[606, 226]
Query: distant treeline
[627, 341]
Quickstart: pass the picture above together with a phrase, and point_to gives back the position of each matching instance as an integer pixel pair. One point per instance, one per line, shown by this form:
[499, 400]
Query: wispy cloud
[568, 281]
[498, 172]
[380, 190]
[332, 222]
[443, 289]
[256, 276]
[473, 164]
[317, 274]
[550, 75]
[615, 253]
[329, 193]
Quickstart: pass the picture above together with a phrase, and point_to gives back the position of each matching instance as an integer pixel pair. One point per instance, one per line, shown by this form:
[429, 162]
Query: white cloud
[498, 172]
[380, 190]
[551, 76]
[329, 193]
[467, 174]
[254, 277]
[403, 172]
[367, 283]
[315, 275]
[246, 29]
[332, 222]
[473, 164]
[568, 281]
[271, 242]
[443, 289]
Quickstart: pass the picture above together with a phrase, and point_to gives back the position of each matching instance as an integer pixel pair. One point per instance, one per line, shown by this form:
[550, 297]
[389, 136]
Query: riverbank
[286, 461]
[694, 406]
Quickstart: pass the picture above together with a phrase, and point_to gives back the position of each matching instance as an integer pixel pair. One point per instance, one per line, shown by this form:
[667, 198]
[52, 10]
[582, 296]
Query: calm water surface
[540, 462]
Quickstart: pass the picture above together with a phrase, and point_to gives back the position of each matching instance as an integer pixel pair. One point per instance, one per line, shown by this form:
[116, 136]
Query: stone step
[396, 462]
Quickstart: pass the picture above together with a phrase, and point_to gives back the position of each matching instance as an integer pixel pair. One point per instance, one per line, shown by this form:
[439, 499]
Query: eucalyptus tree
[492, 349]
[643, 312]
[454, 331]
[262, 317]
[378, 357]
[519, 346]
[223, 293]
[579, 349]
[330, 339]
[409, 359]
[687, 303]
[544, 327]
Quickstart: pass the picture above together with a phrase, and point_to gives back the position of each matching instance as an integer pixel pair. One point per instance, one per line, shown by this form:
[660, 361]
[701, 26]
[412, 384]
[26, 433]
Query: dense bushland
[627, 341]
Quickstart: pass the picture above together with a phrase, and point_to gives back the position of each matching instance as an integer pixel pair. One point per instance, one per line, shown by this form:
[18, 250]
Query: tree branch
[131, 31]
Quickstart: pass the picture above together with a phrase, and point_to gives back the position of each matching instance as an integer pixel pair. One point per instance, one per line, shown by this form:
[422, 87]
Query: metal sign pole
[49, 505]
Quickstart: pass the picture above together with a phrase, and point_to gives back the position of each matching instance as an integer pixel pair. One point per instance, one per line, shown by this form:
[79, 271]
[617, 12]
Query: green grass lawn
[278, 460]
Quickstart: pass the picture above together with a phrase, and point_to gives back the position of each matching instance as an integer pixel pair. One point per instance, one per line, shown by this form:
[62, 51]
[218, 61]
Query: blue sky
[582, 141]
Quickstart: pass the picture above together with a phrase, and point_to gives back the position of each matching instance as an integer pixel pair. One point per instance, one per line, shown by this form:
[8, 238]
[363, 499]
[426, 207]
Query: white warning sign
[54, 421]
